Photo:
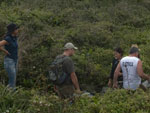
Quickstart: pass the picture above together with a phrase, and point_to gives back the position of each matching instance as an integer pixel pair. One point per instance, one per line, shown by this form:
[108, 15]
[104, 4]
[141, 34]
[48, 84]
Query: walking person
[68, 82]
[9, 46]
[132, 69]
[118, 54]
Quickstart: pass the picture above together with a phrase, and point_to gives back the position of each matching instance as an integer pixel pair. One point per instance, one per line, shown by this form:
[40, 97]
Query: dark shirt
[68, 68]
[114, 66]
[12, 47]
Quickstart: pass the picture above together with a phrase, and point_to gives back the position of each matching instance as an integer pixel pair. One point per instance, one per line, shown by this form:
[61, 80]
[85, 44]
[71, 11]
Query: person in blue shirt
[10, 47]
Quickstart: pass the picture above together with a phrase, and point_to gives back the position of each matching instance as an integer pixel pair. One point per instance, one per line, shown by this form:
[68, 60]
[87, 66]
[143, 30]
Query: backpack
[56, 73]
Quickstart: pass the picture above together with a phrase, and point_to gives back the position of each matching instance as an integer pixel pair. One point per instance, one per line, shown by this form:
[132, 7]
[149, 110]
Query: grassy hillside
[96, 27]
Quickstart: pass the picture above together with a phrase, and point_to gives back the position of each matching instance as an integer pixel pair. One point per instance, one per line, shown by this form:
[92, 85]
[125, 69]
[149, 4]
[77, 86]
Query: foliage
[96, 27]
[114, 101]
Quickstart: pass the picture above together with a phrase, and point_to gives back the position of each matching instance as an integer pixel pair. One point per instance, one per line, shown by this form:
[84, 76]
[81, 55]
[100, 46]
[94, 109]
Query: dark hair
[119, 50]
[10, 28]
[133, 50]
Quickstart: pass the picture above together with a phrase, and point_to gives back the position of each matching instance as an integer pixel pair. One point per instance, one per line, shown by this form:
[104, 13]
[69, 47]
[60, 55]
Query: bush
[114, 101]
[13, 101]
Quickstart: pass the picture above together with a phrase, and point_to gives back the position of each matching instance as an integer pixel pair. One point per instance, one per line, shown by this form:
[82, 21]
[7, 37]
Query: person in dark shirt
[118, 53]
[11, 50]
[70, 85]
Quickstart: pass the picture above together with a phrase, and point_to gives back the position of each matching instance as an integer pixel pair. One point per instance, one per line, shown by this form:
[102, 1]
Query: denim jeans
[10, 66]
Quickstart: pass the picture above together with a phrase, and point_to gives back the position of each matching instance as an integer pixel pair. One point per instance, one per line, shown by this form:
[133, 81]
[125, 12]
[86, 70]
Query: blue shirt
[12, 47]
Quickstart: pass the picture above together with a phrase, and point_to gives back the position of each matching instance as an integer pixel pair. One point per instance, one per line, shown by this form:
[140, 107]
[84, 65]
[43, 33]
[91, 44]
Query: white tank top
[131, 79]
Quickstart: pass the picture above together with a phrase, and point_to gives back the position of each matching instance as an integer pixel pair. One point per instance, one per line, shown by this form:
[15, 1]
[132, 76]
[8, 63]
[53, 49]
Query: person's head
[135, 45]
[134, 51]
[69, 49]
[12, 29]
[118, 53]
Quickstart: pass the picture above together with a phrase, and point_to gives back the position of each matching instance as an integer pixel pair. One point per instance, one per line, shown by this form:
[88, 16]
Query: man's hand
[78, 91]
[115, 85]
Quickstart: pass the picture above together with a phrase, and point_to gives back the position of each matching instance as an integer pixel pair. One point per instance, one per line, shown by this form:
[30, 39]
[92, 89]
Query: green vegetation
[32, 101]
[95, 27]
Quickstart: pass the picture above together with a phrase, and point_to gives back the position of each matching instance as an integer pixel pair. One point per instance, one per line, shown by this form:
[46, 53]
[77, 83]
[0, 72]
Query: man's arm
[140, 71]
[75, 81]
[116, 74]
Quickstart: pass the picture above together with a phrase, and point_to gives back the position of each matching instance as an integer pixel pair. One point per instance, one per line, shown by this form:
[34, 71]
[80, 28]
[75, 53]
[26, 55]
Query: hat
[12, 27]
[69, 46]
[133, 50]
